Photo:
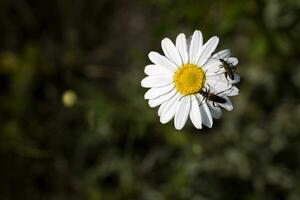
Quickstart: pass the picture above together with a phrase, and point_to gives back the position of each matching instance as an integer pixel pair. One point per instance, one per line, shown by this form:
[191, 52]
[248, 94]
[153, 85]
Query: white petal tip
[163, 121]
[164, 40]
[178, 128]
[199, 128]
[215, 38]
[143, 83]
[151, 54]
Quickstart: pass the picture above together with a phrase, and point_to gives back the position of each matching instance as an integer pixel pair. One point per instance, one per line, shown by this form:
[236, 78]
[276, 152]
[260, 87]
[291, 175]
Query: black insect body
[229, 69]
[212, 97]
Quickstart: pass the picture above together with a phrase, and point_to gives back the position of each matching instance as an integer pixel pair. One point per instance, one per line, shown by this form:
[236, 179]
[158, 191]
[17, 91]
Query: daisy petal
[161, 108]
[213, 68]
[223, 78]
[162, 61]
[232, 61]
[216, 112]
[195, 47]
[220, 80]
[182, 113]
[228, 105]
[156, 92]
[217, 85]
[224, 54]
[206, 115]
[161, 99]
[156, 70]
[236, 79]
[156, 81]
[171, 52]
[232, 92]
[181, 45]
[208, 48]
[170, 109]
[195, 114]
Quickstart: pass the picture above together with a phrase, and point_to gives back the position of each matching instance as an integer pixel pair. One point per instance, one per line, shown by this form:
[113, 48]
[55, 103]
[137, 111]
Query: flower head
[190, 81]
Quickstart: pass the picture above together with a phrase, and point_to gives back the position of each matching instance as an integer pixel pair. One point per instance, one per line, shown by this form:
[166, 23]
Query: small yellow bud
[69, 98]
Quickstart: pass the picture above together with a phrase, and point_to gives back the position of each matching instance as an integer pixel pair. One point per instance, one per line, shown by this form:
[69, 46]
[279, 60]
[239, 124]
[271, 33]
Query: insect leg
[219, 69]
[204, 99]
[225, 90]
[226, 76]
[208, 90]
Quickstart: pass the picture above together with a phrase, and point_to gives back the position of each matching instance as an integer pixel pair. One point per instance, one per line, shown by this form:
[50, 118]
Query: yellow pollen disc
[189, 79]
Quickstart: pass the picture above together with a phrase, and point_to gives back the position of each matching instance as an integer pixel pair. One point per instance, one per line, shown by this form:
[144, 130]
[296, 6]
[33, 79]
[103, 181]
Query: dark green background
[110, 145]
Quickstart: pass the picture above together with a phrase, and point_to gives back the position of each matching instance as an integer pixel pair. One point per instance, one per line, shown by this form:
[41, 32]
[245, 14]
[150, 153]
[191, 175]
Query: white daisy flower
[180, 81]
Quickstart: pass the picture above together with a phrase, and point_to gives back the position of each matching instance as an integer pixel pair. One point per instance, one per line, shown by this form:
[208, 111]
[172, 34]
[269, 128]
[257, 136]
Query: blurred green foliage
[105, 142]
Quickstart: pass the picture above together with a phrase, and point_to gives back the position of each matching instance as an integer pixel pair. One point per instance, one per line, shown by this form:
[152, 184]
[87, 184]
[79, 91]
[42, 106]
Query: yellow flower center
[189, 79]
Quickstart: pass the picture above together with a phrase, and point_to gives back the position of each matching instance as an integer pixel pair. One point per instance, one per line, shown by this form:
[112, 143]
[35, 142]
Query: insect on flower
[212, 97]
[178, 81]
[228, 64]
